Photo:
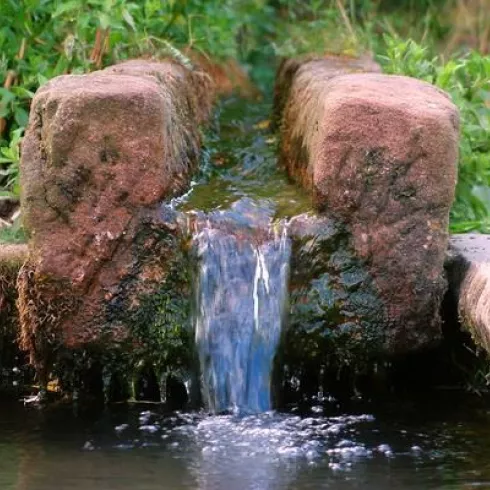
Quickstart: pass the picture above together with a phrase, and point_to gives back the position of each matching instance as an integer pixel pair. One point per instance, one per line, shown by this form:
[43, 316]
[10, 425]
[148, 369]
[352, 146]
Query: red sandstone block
[379, 153]
[101, 152]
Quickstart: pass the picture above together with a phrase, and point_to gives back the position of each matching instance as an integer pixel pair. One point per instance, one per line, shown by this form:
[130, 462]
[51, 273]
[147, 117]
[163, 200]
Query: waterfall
[241, 295]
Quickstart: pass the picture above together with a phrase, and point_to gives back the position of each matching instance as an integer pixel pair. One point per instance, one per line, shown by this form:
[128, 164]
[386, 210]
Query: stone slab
[468, 268]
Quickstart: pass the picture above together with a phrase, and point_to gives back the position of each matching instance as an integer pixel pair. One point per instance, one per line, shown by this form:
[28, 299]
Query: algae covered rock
[101, 153]
[379, 155]
[335, 313]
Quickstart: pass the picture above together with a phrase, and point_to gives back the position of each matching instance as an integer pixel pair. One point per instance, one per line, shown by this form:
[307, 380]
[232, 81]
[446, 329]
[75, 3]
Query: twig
[346, 20]
[101, 46]
[22, 49]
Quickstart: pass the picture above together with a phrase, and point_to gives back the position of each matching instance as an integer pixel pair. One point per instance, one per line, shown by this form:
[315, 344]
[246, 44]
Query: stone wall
[468, 267]
[11, 259]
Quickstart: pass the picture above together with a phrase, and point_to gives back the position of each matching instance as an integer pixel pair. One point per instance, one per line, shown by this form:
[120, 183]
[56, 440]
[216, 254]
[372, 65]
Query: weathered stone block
[379, 154]
[468, 269]
[101, 152]
[323, 68]
[195, 87]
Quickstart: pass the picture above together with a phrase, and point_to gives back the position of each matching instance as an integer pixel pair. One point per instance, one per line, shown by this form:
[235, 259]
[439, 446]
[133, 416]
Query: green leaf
[65, 7]
[41, 79]
[7, 194]
[6, 95]
[129, 19]
[21, 116]
[104, 20]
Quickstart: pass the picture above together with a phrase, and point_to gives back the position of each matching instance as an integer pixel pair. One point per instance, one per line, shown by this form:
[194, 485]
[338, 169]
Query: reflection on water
[440, 444]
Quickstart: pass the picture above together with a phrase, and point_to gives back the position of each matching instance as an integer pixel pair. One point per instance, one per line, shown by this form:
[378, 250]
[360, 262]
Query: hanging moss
[335, 313]
[146, 333]
[11, 259]
[153, 304]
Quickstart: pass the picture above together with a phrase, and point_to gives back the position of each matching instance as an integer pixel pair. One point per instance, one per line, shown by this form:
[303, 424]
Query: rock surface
[379, 155]
[101, 152]
[335, 312]
[11, 259]
[468, 269]
[228, 76]
[195, 86]
[323, 68]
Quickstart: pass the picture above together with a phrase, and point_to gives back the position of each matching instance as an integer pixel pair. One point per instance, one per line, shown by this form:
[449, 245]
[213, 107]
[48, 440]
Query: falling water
[242, 290]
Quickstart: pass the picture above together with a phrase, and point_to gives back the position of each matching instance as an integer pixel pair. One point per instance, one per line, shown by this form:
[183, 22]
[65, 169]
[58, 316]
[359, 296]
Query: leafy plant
[13, 234]
[10, 156]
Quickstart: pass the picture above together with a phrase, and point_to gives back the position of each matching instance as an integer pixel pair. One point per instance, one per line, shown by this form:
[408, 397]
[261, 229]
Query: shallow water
[240, 161]
[435, 443]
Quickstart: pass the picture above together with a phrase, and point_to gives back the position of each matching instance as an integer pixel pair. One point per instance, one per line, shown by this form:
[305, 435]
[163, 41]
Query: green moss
[153, 303]
[335, 313]
[160, 326]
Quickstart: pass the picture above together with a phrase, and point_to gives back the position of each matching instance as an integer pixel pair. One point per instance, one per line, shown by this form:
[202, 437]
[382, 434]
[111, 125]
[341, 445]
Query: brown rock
[468, 269]
[195, 87]
[323, 68]
[228, 76]
[11, 259]
[100, 154]
[379, 154]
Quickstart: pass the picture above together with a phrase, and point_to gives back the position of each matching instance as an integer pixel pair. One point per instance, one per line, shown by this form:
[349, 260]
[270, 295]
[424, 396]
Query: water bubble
[121, 428]
[385, 449]
[88, 446]
[151, 429]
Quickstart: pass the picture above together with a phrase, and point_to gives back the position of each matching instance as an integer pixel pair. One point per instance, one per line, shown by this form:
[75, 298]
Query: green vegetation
[13, 234]
[40, 39]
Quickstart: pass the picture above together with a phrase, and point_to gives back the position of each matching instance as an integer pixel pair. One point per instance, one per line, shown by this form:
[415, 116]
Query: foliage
[13, 234]
[40, 39]
[10, 156]
[467, 80]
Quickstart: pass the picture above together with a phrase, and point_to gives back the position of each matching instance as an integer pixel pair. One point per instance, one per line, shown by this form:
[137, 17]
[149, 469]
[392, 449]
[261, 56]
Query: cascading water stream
[237, 214]
[241, 297]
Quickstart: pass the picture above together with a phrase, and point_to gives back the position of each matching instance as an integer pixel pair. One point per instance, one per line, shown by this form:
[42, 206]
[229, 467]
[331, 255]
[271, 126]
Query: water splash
[242, 291]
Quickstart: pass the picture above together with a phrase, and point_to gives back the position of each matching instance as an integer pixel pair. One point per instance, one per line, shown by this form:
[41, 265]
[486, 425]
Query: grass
[12, 234]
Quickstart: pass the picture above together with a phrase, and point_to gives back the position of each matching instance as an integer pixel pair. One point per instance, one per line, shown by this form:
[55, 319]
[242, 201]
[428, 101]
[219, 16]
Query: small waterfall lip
[240, 299]
[242, 290]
